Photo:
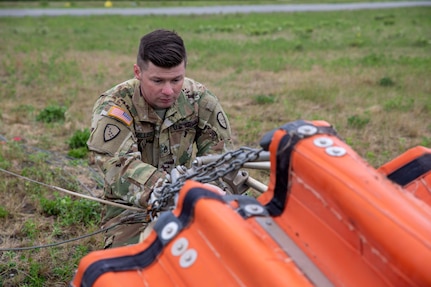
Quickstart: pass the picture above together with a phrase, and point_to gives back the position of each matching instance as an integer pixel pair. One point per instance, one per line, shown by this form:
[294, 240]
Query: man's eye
[157, 81]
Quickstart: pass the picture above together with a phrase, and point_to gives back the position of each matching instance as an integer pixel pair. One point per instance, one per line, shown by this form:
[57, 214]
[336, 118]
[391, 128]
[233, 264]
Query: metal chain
[225, 164]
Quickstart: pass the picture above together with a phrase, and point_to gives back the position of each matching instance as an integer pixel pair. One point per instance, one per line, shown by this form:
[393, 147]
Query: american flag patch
[119, 114]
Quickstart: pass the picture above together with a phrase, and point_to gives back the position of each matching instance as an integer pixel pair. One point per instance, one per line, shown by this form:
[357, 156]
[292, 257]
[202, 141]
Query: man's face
[160, 87]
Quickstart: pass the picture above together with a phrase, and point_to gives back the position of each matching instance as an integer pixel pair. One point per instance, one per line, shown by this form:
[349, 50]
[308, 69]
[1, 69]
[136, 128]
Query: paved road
[208, 10]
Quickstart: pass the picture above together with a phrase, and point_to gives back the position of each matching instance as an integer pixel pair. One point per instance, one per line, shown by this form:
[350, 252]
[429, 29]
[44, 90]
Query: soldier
[144, 127]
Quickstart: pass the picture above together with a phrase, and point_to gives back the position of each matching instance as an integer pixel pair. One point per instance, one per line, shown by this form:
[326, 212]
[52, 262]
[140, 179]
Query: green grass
[276, 42]
[365, 72]
[34, 215]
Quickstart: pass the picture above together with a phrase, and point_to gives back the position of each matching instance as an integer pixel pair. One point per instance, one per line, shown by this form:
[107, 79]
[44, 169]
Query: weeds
[30, 229]
[52, 114]
[69, 212]
[54, 218]
[399, 103]
[3, 212]
[358, 121]
[426, 141]
[78, 152]
[78, 143]
[386, 82]
[79, 138]
[264, 99]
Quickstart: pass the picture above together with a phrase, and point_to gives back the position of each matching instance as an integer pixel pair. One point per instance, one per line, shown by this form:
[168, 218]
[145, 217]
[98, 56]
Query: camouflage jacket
[135, 147]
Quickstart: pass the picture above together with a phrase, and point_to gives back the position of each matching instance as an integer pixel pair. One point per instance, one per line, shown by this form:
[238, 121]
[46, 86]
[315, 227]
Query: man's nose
[167, 89]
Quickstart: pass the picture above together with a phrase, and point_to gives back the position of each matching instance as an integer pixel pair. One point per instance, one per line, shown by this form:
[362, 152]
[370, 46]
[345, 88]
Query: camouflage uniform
[135, 147]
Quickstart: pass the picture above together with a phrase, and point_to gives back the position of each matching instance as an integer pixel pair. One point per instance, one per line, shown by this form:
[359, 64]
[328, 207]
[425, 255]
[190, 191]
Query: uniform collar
[145, 113]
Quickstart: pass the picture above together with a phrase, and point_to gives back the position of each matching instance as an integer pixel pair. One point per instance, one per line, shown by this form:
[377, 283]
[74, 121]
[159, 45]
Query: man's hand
[158, 187]
[215, 188]
[181, 170]
[177, 172]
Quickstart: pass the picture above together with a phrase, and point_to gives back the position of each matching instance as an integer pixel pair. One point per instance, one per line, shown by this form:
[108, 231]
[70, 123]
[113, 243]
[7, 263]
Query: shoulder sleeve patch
[221, 120]
[120, 114]
[109, 137]
[110, 132]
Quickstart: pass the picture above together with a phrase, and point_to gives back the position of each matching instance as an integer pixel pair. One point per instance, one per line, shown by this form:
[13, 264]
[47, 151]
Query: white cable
[75, 193]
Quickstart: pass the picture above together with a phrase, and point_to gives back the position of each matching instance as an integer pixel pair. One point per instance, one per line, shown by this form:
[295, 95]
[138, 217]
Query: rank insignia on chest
[120, 115]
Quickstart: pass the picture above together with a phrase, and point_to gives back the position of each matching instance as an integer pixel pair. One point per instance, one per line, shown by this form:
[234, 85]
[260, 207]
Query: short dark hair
[163, 48]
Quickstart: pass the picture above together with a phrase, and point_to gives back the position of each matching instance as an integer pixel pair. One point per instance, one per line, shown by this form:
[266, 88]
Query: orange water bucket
[327, 219]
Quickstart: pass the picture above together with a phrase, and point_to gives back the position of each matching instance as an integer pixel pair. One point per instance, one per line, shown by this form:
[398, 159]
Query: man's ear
[137, 71]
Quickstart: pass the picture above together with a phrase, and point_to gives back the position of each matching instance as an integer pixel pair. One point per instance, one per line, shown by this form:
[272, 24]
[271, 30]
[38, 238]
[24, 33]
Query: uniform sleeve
[214, 133]
[112, 140]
